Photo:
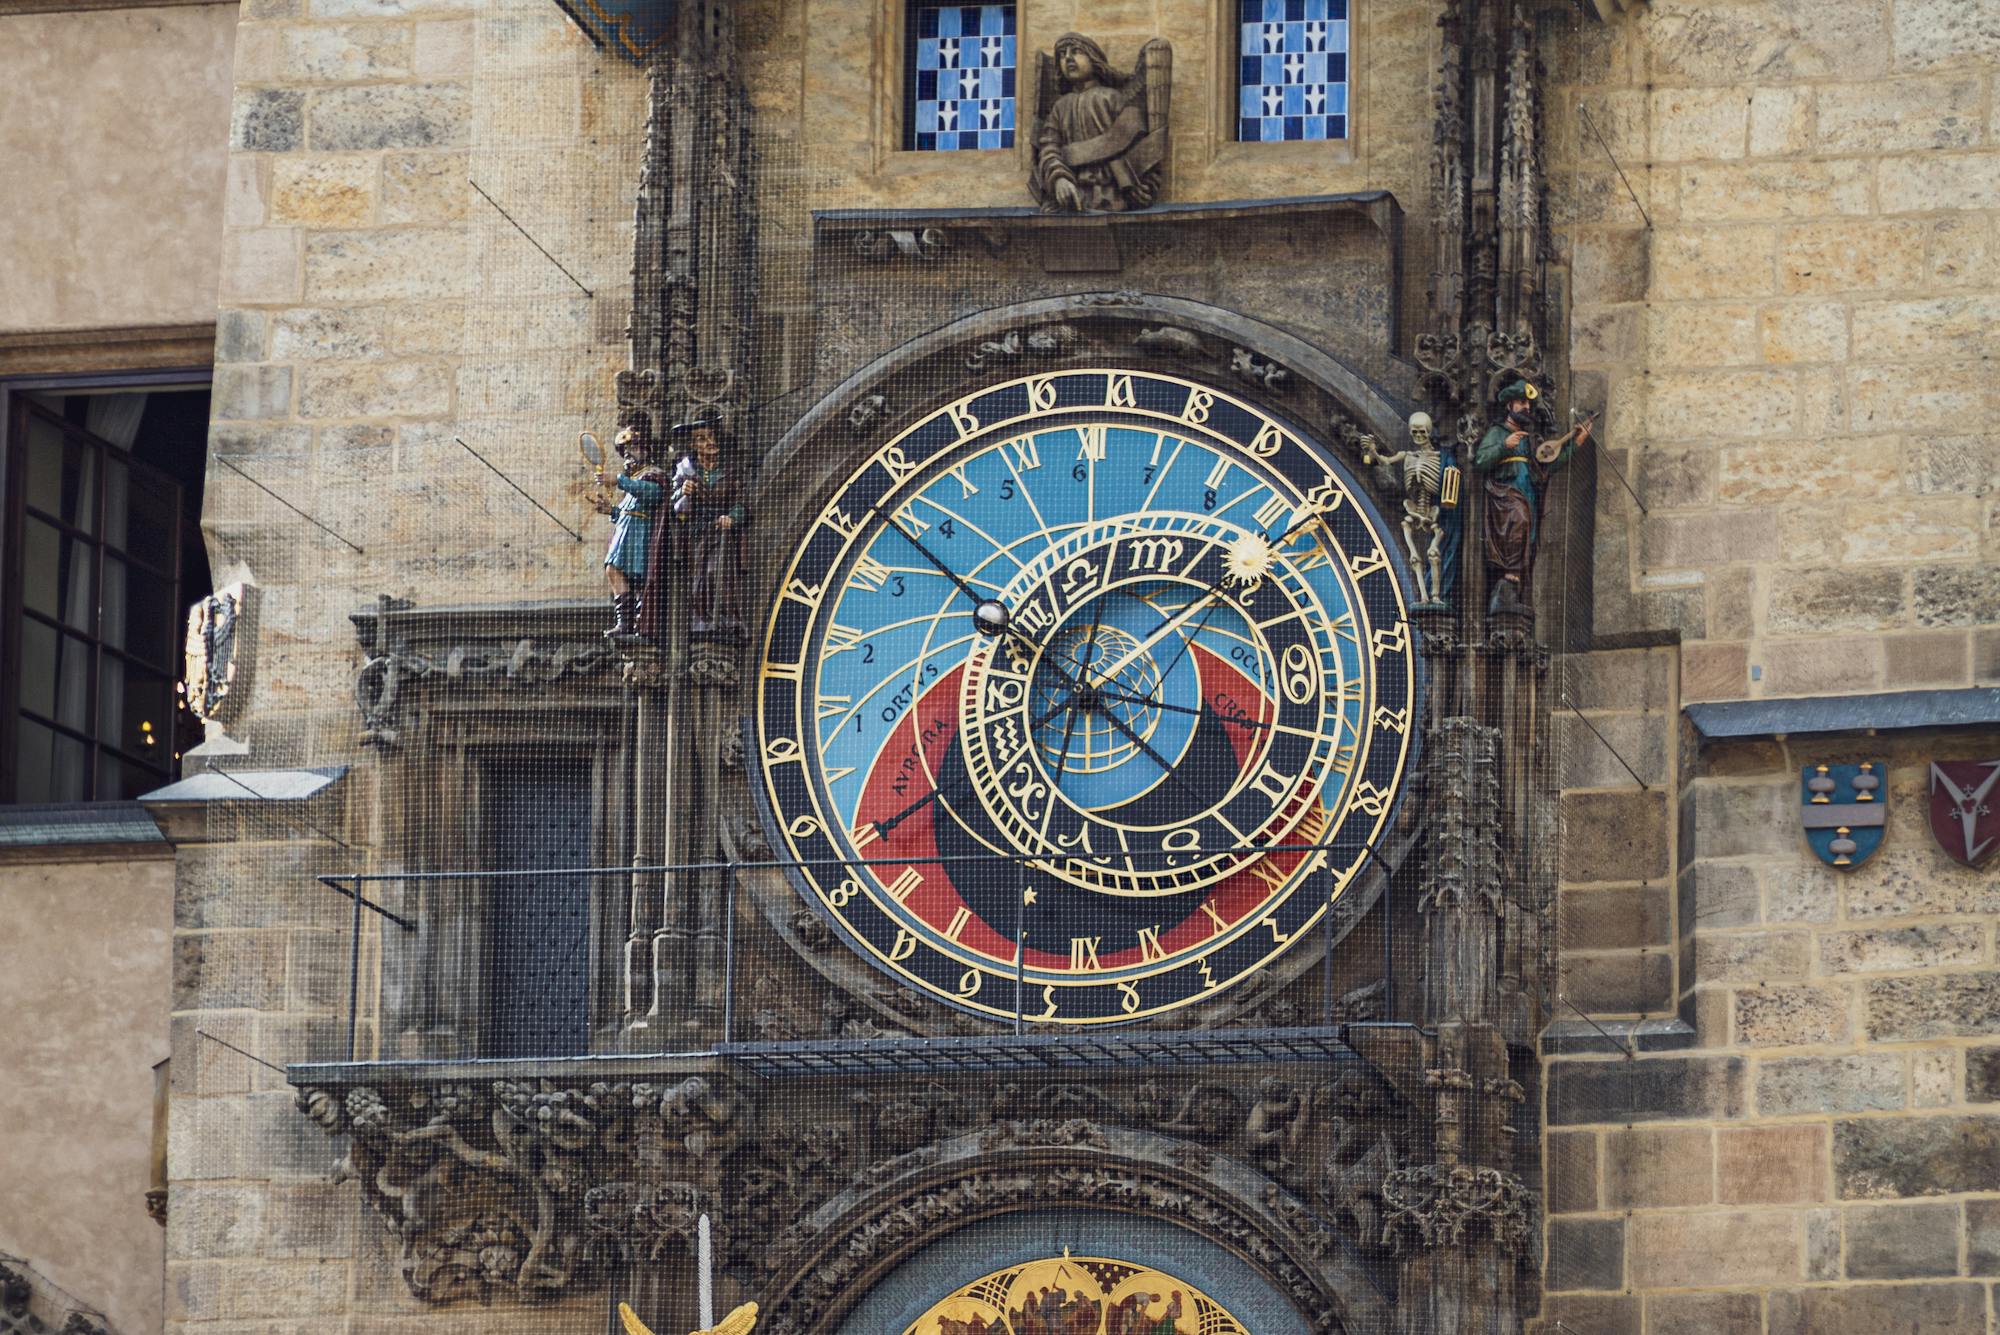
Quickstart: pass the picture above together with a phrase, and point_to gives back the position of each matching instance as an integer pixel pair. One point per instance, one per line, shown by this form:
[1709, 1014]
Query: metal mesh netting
[733, 958]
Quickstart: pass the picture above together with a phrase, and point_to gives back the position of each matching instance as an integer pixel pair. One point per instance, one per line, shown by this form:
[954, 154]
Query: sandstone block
[285, 1288]
[1892, 949]
[260, 264]
[1982, 1237]
[425, 187]
[1902, 1241]
[1721, 820]
[1781, 121]
[1733, 404]
[1704, 1314]
[1705, 263]
[1956, 595]
[1615, 918]
[1620, 679]
[1963, 252]
[1712, 671]
[194, 1290]
[1776, 474]
[1927, 182]
[1897, 114]
[1751, 957]
[207, 1222]
[239, 336]
[1929, 33]
[1703, 541]
[1806, 601]
[1719, 895]
[1934, 1081]
[1799, 892]
[1823, 1261]
[1854, 1082]
[1982, 1075]
[1908, 398]
[1789, 1015]
[243, 190]
[344, 333]
[1915, 1156]
[1694, 124]
[1928, 658]
[322, 191]
[1569, 1169]
[1609, 265]
[229, 971]
[1586, 1254]
[409, 264]
[1614, 836]
[1850, 256]
[342, 52]
[311, 1220]
[1804, 331]
[1754, 191]
[1702, 335]
[1713, 1248]
[1822, 666]
[1599, 759]
[444, 48]
[1934, 328]
[1879, 1309]
[1674, 479]
[1598, 1313]
[1650, 1167]
[1770, 1165]
[1952, 465]
[418, 115]
[1620, 983]
[1646, 1090]
[1936, 1006]
[1740, 43]
[1905, 882]
[268, 120]
[384, 389]
[1986, 656]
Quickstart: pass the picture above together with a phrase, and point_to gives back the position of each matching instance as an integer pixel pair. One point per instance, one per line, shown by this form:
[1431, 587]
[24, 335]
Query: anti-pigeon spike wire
[306, 827]
[241, 1052]
[287, 504]
[531, 240]
[517, 487]
[1607, 745]
[1584, 112]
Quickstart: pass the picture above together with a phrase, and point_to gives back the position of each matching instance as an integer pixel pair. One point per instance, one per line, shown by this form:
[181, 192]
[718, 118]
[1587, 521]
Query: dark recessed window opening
[102, 554]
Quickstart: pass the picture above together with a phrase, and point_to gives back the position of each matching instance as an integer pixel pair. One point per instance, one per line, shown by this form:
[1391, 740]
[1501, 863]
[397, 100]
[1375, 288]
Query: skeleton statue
[1431, 480]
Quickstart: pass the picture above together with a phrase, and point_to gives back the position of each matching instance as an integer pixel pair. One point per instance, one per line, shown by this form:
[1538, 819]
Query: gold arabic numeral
[1272, 783]
[907, 517]
[1278, 935]
[1041, 393]
[1022, 453]
[962, 419]
[841, 639]
[869, 574]
[1118, 392]
[1392, 640]
[1325, 498]
[1093, 439]
[1301, 681]
[1199, 401]
[1270, 512]
[781, 749]
[958, 922]
[1267, 441]
[809, 594]
[897, 463]
[1362, 564]
[1150, 948]
[839, 772]
[830, 706]
[1395, 720]
[968, 983]
[1208, 979]
[906, 885]
[843, 894]
[1128, 998]
[836, 519]
[906, 945]
[1371, 799]
[965, 484]
[1049, 1000]
[803, 827]
[1221, 923]
[1083, 952]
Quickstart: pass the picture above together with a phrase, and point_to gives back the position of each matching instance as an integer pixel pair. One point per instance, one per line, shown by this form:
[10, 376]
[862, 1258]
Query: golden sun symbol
[1249, 560]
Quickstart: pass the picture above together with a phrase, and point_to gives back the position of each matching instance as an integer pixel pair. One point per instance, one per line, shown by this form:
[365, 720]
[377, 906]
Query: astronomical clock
[1085, 695]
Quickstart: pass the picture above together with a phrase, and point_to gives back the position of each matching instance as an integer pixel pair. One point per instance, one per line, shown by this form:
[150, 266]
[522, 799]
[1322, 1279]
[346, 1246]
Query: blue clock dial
[1073, 687]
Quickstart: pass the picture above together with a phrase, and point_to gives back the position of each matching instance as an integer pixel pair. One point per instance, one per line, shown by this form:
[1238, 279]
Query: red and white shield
[1963, 804]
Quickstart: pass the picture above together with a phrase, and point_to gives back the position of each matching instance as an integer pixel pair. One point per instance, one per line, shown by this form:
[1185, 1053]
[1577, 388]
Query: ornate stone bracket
[1434, 1206]
[31, 1305]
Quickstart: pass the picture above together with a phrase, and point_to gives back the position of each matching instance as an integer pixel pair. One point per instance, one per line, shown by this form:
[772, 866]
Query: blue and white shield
[1844, 810]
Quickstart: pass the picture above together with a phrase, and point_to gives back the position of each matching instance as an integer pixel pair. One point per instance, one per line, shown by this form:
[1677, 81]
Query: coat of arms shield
[1962, 815]
[1843, 810]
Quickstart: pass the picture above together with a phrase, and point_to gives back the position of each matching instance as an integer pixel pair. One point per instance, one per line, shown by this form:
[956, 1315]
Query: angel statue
[1101, 144]
[739, 1322]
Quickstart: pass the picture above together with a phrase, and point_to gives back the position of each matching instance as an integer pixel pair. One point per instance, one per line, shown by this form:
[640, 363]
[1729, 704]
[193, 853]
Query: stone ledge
[1569, 1037]
[1887, 711]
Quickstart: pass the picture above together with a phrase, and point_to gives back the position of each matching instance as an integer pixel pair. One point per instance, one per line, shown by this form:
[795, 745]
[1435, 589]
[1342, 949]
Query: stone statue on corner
[1431, 482]
[1101, 137]
[632, 565]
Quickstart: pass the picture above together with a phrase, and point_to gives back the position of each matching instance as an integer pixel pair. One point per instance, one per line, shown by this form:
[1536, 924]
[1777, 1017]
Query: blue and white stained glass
[1292, 70]
[962, 85]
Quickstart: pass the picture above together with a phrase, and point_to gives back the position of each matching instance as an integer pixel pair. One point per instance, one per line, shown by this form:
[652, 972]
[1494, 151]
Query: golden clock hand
[1158, 633]
[1146, 748]
[884, 827]
[1206, 711]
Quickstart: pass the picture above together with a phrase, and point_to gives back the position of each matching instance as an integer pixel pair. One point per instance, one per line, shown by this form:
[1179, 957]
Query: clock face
[1086, 694]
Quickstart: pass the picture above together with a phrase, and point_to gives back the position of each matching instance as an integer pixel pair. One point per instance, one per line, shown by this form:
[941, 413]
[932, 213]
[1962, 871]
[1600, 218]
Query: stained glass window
[1292, 75]
[959, 73]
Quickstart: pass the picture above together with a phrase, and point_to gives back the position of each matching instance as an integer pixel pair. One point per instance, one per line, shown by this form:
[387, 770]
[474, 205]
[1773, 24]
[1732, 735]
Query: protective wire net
[558, 898]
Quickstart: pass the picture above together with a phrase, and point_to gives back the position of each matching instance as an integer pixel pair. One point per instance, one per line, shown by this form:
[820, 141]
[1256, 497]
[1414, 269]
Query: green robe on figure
[1516, 484]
